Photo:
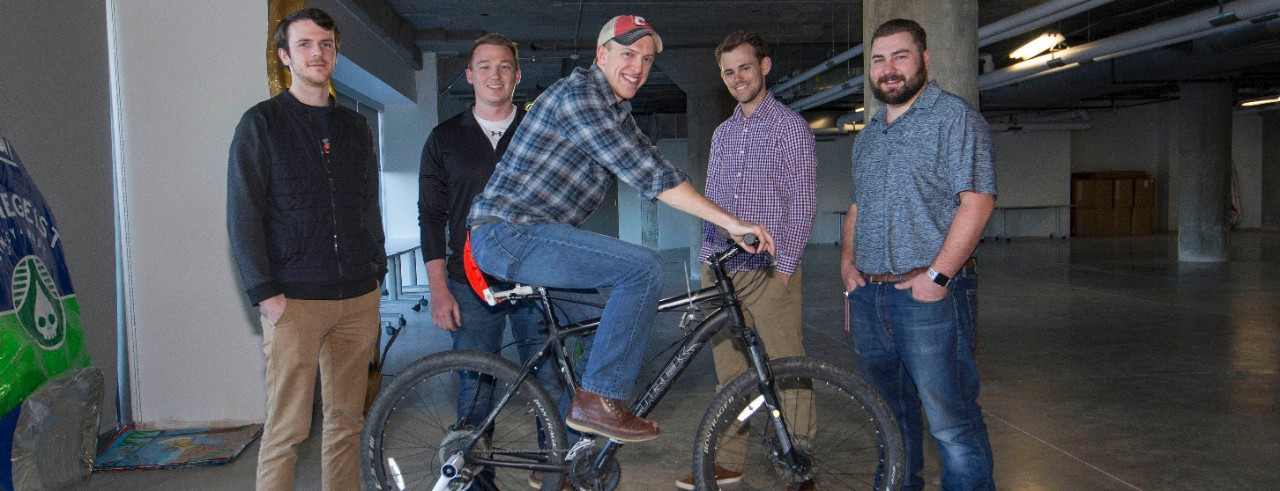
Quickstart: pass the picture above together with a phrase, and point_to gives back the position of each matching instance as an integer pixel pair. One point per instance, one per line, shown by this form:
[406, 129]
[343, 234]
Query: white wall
[195, 349]
[835, 176]
[1124, 139]
[1033, 169]
[1144, 138]
[674, 227]
[55, 109]
[404, 130]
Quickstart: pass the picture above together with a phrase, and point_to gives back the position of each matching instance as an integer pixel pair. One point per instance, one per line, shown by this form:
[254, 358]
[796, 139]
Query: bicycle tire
[415, 415]
[853, 434]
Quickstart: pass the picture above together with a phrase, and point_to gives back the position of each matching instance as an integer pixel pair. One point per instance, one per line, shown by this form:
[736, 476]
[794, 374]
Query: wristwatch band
[939, 278]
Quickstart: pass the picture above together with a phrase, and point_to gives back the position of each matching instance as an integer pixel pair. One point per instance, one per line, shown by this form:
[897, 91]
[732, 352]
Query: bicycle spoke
[416, 419]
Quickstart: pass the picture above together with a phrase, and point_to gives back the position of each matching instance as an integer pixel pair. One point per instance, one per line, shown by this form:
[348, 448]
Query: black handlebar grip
[751, 240]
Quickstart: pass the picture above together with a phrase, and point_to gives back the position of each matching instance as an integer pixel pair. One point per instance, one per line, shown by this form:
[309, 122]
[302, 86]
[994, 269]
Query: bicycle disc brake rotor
[803, 447]
[584, 477]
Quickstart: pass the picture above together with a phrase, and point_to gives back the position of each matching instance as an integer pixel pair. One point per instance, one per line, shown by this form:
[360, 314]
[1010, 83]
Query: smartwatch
[938, 278]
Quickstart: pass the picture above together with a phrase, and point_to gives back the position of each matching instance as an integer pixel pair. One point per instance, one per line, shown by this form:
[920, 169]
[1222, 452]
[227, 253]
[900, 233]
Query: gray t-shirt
[907, 178]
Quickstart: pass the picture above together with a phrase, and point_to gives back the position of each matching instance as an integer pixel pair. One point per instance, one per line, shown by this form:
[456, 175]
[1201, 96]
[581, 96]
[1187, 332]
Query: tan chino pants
[336, 337]
[774, 309]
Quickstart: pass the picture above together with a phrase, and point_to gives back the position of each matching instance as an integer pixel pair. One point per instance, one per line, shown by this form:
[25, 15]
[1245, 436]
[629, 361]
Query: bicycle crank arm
[454, 475]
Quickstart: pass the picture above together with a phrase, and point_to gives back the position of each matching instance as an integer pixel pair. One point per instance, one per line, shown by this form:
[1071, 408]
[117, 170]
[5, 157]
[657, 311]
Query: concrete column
[1204, 171]
[708, 105]
[952, 29]
[1271, 170]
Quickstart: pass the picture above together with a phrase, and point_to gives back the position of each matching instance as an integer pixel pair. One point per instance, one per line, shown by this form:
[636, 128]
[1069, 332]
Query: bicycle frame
[731, 313]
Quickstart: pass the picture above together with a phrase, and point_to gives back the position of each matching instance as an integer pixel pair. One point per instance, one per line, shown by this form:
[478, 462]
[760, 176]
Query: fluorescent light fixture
[1259, 102]
[859, 109]
[1038, 45]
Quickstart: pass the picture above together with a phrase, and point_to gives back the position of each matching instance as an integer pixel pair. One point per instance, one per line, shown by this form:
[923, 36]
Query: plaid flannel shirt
[574, 140]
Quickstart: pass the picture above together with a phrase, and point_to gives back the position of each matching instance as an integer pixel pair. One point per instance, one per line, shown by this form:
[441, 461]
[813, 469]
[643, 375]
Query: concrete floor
[1106, 364]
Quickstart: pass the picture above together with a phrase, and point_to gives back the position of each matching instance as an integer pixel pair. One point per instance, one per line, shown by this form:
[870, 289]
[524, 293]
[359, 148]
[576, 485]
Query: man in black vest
[306, 234]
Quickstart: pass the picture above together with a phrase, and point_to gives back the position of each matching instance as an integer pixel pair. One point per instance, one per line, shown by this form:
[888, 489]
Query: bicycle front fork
[799, 464]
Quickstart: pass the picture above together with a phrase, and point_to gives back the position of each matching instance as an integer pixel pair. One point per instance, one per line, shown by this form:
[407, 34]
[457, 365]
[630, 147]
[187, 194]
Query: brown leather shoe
[724, 477]
[593, 413]
[801, 486]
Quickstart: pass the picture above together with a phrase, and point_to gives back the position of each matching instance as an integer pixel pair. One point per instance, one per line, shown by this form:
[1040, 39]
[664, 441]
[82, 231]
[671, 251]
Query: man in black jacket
[457, 160]
[306, 234]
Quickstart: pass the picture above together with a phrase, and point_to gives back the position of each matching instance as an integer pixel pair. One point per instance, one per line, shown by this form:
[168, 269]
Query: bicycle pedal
[583, 445]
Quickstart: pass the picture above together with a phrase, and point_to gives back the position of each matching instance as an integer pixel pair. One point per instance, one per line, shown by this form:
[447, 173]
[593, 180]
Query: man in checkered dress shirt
[763, 169]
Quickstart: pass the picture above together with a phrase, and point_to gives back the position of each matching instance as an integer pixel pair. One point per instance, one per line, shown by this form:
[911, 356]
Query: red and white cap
[626, 29]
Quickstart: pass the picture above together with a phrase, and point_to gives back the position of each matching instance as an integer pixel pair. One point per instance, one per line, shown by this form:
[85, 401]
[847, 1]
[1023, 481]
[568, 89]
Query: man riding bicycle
[577, 137]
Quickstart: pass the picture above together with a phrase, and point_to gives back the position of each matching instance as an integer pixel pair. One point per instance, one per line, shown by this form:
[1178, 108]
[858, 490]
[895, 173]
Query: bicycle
[414, 439]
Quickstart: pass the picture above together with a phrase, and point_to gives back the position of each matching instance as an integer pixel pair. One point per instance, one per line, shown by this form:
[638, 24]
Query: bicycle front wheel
[431, 408]
[844, 435]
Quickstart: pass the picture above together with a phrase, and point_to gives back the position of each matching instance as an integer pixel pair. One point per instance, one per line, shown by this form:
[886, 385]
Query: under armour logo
[495, 134]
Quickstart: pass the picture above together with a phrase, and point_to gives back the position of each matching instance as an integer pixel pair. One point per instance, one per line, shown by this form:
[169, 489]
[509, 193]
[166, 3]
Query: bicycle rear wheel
[845, 435]
[414, 424]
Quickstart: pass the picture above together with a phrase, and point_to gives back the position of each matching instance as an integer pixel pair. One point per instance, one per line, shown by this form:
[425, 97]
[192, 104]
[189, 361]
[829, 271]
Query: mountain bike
[833, 429]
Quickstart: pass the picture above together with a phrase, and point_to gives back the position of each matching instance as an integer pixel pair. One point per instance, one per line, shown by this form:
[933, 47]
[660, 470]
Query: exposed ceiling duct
[1005, 28]
[1061, 121]
[1203, 23]
[1248, 45]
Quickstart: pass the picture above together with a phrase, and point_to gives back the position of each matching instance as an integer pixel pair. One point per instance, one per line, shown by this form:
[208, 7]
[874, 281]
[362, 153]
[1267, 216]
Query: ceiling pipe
[1007, 27]
[1250, 44]
[1033, 18]
[848, 87]
[817, 70]
[1203, 23]
[1005, 127]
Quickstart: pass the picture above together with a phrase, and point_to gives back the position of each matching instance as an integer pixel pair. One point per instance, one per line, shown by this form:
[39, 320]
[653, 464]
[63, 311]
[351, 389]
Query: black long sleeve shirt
[457, 161]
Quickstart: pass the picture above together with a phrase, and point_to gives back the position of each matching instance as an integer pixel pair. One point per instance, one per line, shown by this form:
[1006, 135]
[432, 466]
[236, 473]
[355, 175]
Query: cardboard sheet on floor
[170, 449]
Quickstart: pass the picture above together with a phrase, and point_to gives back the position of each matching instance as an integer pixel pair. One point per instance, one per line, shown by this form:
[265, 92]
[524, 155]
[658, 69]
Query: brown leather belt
[895, 278]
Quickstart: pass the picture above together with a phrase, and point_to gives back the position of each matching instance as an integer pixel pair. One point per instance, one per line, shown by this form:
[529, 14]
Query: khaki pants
[335, 336]
[774, 309]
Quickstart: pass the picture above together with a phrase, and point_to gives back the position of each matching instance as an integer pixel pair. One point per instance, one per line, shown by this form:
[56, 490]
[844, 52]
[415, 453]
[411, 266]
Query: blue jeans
[921, 354]
[481, 330]
[557, 255]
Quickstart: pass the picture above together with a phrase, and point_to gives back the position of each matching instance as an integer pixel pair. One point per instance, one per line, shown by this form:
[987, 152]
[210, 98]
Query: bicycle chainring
[584, 478]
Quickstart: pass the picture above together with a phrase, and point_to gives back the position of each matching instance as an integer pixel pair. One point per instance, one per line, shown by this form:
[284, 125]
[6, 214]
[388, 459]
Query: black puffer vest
[321, 221]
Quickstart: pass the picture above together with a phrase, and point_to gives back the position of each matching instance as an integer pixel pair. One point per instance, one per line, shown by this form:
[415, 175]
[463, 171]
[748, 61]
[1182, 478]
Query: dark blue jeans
[920, 354]
[556, 255]
[481, 330]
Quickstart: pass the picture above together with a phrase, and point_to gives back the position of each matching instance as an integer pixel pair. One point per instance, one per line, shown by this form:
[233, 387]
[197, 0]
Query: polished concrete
[1106, 364]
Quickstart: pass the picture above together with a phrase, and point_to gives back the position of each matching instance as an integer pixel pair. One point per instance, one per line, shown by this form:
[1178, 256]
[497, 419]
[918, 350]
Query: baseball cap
[626, 29]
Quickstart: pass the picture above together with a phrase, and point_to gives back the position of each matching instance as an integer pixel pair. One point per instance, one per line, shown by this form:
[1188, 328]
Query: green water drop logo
[38, 307]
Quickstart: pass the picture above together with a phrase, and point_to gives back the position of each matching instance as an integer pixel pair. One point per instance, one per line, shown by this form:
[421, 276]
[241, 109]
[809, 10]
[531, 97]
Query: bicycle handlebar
[719, 258]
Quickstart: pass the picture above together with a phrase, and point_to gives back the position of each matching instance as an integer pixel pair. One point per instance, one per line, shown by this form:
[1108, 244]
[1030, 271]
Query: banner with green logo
[40, 331]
